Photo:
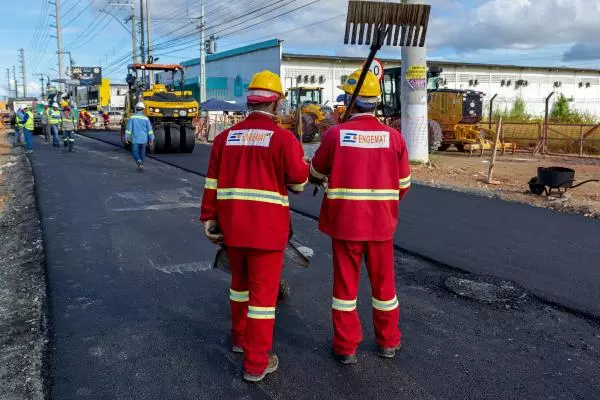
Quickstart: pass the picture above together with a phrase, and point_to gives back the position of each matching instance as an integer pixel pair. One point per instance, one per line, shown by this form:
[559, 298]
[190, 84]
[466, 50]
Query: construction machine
[454, 114]
[170, 111]
[308, 118]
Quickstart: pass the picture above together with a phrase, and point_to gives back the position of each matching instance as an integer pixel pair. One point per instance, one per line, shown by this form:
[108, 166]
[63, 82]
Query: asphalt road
[137, 313]
[554, 255]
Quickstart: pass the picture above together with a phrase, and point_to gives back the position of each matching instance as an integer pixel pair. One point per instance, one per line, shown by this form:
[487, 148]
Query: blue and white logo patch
[249, 137]
[365, 139]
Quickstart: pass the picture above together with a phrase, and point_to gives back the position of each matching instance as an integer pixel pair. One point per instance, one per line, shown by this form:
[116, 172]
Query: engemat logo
[365, 139]
[249, 137]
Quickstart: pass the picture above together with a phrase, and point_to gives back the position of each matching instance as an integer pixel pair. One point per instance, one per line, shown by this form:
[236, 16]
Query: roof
[220, 105]
[156, 67]
[290, 56]
[235, 52]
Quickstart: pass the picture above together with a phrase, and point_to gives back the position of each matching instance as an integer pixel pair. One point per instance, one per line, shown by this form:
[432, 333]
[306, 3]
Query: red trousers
[255, 276]
[379, 256]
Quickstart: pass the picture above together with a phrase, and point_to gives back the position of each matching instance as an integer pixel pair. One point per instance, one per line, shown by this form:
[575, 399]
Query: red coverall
[251, 166]
[368, 170]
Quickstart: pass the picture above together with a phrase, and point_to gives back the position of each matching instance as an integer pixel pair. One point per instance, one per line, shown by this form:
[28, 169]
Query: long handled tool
[377, 24]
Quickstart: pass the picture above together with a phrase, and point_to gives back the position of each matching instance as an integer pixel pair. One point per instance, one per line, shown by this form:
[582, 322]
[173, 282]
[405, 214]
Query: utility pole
[15, 81]
[149, 39]
[42, 81]
[142, 35]
[59, 44]
[9, 87]
[133, 33]
[23, 73]
[133, 20]
[414, 100]
[202, 81]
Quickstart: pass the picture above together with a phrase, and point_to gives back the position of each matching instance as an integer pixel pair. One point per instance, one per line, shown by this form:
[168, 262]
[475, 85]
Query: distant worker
[68, 126]
[80, 118]
[365, 164]
[27, 124]
[105, 119]
[139, 133]
[44, 119]
[252, 165]
[18, 137]
[54, 120]
[87, 119]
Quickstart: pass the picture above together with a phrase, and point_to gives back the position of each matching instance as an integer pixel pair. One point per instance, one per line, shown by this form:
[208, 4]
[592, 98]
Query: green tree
[561, 112]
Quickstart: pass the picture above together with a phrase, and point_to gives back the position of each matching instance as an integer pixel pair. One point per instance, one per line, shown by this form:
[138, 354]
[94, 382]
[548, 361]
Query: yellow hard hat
[266, 80]
[370, 86]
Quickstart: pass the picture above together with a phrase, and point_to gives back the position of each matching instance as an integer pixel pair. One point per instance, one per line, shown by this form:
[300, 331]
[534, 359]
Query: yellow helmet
[266, 80]
[370, 86]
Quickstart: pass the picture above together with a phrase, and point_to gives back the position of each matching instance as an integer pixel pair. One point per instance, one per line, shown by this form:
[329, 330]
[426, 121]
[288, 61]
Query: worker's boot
[140, 165]
[71, 144]
[271, 367]
[346, 358]
[388, 352]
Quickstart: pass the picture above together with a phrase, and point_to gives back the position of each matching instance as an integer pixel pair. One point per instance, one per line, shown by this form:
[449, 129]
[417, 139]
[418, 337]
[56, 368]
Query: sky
[95, 32]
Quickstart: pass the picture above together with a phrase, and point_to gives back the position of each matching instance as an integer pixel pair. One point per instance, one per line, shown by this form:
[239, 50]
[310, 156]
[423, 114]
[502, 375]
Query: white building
[229, 72]
[118, 94]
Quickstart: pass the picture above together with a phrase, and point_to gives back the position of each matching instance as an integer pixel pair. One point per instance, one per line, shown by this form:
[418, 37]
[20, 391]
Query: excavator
[170, 111]
[308, 117]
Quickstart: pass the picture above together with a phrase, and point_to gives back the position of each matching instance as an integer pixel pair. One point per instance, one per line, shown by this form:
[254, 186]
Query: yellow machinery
[308, 118]
[454, 115]
[170, 111]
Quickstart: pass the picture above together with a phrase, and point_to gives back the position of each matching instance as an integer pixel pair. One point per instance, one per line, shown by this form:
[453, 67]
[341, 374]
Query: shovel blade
[393, 17]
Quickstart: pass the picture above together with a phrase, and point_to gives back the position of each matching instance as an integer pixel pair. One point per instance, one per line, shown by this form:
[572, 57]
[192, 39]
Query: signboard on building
[88, 76]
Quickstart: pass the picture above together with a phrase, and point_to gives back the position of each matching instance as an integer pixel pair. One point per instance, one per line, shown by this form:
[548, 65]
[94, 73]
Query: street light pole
[202, 81]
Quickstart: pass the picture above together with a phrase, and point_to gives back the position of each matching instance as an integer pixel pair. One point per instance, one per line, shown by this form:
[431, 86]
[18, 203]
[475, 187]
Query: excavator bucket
[405, 24]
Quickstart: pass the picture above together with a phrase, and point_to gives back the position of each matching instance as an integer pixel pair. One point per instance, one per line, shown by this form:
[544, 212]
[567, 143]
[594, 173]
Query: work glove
[212, 232]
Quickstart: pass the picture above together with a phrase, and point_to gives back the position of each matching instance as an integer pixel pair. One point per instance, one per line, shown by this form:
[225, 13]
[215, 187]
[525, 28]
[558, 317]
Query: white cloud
[518, 24]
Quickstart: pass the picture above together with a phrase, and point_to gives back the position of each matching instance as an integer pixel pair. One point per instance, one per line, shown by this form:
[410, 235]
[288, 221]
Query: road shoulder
[23, 333]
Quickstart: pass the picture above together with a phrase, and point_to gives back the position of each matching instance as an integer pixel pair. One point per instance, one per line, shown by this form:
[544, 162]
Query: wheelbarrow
[293, 256]
[554, 178]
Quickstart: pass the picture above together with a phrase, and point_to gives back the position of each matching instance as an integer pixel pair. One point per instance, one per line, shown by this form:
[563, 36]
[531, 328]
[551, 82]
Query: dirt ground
[22, 280]
[459, 171]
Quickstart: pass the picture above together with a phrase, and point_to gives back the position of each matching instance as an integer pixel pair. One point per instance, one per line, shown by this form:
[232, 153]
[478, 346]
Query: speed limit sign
[377, 68]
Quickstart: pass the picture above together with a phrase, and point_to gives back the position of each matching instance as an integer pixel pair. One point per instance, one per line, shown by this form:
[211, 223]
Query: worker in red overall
[245, 204]
[365, 165]
[105, 119]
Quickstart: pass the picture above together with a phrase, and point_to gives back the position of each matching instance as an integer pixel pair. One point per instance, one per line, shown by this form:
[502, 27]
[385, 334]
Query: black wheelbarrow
[554, 178]
[294, 255]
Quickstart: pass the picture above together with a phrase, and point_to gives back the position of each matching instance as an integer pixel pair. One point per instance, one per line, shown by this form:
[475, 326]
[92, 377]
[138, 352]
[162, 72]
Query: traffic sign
[377, 68]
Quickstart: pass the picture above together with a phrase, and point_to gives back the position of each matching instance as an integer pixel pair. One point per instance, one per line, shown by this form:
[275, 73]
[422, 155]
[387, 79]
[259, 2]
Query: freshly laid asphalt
[556, 256]
[137, 313]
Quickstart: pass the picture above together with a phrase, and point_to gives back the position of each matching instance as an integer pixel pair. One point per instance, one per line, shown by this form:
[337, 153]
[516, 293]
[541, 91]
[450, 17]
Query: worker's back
[251, 164]
[366, 163]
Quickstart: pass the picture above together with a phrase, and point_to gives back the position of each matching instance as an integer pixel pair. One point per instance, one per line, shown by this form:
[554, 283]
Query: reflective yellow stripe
[298, 187]
[316, 173]
[261, 312]
[263, 196]
[241, 297]
[343, 305]
[210, 184]
[362, 194]
[387, 305]
[405, 182]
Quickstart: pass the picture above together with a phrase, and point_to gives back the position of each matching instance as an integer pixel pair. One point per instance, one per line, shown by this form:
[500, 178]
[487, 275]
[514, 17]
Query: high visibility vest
[17, 121]
[29, 125]
[54, 117]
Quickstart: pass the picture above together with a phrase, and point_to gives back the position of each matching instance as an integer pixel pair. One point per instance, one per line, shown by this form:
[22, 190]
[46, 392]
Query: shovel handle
[382, 32]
